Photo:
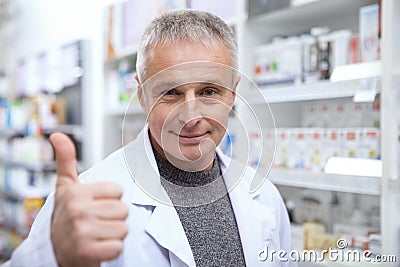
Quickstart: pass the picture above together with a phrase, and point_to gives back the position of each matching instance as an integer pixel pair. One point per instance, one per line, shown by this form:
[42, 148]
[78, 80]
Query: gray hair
[181, 25]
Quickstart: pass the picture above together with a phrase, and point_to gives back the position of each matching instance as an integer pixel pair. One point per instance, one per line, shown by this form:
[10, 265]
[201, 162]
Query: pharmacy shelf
[34, 167]
[318, 10]
[9, 133]
[314, 91]
[71, 129]
[346, 81]
[356, 71]
[322, 181]
[10, 195]
[21, 196]
[127, 54]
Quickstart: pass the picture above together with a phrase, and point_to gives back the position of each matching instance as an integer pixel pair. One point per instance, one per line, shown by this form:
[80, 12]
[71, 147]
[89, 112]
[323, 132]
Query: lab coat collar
[141, 163]
[256, 222]
[164, 224]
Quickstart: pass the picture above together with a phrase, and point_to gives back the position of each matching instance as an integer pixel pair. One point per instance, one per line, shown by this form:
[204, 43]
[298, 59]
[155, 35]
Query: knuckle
[74, 210]
[80, 230]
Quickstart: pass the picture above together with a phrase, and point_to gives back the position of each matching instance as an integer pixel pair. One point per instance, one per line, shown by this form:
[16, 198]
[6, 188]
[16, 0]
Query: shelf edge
[322, 181]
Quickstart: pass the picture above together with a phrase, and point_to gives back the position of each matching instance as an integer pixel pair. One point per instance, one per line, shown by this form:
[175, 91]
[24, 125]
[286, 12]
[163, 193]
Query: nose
[189, 112]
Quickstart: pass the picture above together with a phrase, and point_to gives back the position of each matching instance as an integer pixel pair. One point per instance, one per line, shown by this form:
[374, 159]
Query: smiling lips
[191, 139]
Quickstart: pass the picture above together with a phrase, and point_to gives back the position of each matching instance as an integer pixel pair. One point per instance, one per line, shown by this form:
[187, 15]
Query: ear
[234, 88]
[140, 94]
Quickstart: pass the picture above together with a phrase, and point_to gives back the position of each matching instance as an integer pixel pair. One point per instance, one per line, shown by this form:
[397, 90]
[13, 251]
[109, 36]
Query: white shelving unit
[322, 181]
[347, 82]
[313, 91]
[390, 99]
[39, 167]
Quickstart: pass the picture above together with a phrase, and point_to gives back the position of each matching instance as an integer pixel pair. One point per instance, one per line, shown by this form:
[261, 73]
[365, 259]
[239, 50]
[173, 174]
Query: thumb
[65, 159]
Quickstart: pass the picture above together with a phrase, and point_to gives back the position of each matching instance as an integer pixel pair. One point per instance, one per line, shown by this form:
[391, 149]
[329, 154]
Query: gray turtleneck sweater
[210, 228]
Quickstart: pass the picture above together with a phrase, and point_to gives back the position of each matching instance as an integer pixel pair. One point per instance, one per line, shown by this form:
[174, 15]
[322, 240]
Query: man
[170, 198]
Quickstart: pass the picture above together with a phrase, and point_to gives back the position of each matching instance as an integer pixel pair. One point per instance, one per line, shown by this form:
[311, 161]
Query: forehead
[161, 57]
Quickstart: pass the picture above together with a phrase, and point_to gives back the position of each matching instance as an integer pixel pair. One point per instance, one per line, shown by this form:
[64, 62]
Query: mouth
[191, 138]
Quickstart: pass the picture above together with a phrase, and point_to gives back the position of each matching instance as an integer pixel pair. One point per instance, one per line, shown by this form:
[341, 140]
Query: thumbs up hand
[88, 222]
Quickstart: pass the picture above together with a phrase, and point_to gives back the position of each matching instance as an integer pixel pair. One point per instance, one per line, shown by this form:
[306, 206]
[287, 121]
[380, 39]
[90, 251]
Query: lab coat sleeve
[37, 250]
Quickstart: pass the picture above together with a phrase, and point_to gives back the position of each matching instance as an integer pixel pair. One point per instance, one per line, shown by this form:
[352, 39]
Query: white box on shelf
[369, 32]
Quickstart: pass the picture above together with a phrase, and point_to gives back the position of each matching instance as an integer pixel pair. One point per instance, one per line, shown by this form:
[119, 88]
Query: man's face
[188, 101]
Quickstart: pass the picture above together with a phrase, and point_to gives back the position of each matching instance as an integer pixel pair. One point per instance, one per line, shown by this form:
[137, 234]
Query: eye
[209, 92]
[171, 92]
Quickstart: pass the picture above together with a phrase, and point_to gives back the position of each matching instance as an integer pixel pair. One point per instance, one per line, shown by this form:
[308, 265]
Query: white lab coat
[156, 236]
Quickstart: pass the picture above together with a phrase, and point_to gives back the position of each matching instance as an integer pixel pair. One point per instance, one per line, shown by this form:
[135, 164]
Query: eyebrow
[171, 84]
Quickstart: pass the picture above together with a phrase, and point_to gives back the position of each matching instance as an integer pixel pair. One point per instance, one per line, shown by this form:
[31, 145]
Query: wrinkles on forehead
[162, 56]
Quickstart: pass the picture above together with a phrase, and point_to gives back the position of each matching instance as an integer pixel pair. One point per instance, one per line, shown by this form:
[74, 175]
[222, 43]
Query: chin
[191, 155]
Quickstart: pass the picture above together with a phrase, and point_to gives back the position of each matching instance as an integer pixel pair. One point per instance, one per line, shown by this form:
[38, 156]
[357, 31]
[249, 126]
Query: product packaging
[354, 49]
[309, 59]
[341, 41]
[282, 149]
[324, 57]
[323, 47]
[369, 32]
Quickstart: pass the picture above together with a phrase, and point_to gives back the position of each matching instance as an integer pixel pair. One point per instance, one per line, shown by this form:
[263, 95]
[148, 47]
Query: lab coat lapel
[164, 224]
[143, 168]
[256, 222]
[166, 228]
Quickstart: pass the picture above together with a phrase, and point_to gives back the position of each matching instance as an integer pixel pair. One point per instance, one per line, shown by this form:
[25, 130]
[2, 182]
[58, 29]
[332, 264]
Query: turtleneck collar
[186, 178]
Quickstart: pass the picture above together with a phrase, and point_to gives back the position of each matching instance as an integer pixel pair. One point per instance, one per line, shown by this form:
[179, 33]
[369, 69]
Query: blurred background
[330, 70]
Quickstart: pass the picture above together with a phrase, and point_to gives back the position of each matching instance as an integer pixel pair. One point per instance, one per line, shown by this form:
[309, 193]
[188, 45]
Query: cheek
[221, 130]
[156, 121]
[219, 126]
[161, 118]
[220, 119]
